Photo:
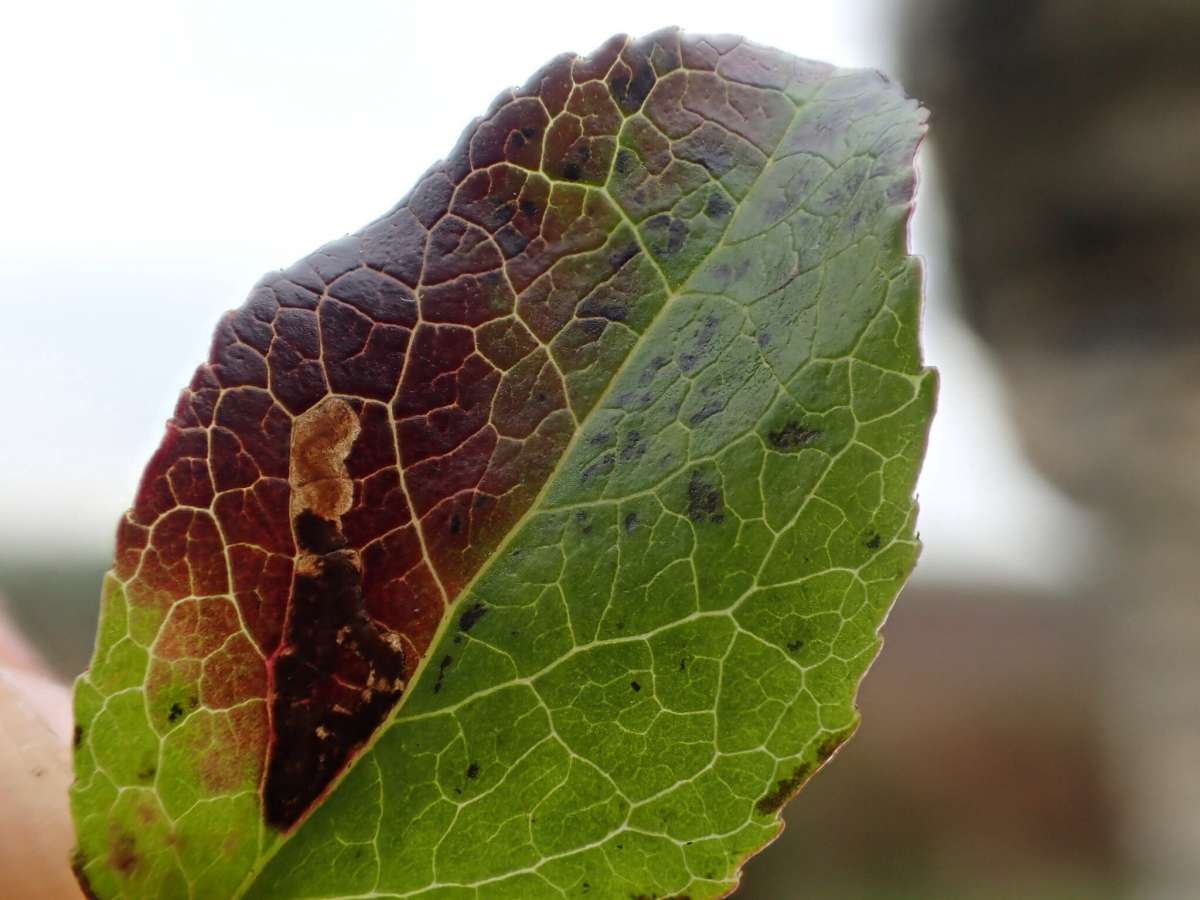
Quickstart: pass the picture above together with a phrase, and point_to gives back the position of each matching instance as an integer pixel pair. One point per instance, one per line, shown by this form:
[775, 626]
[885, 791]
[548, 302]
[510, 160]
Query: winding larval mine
[370, 426]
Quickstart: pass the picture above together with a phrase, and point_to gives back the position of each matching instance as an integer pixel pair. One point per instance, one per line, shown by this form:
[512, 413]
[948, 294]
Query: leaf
[531, 541]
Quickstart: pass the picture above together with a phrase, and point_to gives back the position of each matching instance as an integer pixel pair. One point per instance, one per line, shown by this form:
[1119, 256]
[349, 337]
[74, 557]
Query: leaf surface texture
[533, 540]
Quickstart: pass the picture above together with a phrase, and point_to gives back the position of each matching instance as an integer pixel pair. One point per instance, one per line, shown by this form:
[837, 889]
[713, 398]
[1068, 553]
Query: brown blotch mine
[338, 673]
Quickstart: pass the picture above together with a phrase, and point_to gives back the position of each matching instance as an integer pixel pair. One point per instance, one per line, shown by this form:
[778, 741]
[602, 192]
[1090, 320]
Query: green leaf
[533, 540]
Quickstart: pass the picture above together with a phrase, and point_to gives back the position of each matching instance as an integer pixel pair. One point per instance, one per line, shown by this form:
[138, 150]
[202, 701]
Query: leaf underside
[533, 540]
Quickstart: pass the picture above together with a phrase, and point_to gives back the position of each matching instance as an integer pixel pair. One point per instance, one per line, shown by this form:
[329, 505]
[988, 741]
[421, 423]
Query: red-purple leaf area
[374, 423]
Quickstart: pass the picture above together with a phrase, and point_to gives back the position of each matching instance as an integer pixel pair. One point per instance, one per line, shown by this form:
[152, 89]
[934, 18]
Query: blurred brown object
[35, 825]
[1067, 139]
[975, 774]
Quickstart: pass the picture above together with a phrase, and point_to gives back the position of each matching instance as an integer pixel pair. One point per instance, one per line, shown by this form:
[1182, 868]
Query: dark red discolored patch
[375, 419]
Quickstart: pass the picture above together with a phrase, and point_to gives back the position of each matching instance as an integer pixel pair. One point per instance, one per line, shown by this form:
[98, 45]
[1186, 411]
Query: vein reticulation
[374, 423]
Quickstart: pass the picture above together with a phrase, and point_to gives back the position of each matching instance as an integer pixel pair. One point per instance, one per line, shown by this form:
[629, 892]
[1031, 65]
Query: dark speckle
[635, 447]
[622, 255]
[793, 437]
[511, 241]
[631, 91]
[529, 208]
[625, 161]
[503, 213]
[473, 770]
[471, 617]
[683, 664]
[600, 467]
[705, 503]
[593, 328]
[874, 541]
[147, 773]
[174, 713]
[647, 374]
[77, 737]
[631, 522]
[572, 171]
[676, 235]
[794, 646]
[707, 411]
[718, 206]
[636, 687]
[529, 132]
[456, 524]
[667, 232]
[445, 664]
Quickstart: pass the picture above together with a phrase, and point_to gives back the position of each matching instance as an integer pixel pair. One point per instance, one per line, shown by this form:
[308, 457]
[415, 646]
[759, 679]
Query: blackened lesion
[336, 678]
[793, 437]
[705, 500]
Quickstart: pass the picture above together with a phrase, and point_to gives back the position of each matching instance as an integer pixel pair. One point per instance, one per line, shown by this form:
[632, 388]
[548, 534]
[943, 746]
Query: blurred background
[1032, 728]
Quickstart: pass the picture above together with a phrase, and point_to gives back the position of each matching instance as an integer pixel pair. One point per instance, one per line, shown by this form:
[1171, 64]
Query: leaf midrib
[535, 506]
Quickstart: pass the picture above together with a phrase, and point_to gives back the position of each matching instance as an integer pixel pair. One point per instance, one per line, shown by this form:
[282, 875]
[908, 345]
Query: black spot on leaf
[635, 447]
[718, 206]
[445, 664]
[471, 617]
[666, 233]
[600, 467]
[707, 411]
[705, 502]
[793, 437]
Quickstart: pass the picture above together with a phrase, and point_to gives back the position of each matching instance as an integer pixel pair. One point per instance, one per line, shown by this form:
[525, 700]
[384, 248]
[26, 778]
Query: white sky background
[159, 155]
